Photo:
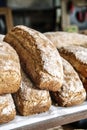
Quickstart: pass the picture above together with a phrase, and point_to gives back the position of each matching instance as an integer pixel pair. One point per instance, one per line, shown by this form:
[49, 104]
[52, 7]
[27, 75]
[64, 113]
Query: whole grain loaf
[31, 100]
[39, 57]
[72, 91]
[62, 39]
[10, 75]
[7, 108]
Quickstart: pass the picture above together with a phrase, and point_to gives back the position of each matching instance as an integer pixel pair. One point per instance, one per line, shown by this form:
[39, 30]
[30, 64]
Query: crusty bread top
[72, 86]
[71, 81]
[9, 60]
[61, 39]
[72, 91]
[6, 104]
[50, 57]
[28, 91]
[79, 52]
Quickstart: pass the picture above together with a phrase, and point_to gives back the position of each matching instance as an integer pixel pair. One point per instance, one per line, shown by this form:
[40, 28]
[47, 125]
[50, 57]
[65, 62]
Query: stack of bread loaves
[42, 62]
[43, 67]
[43, 72]
[72, 47]
[10, 78]
[28, 98]
[39, 57]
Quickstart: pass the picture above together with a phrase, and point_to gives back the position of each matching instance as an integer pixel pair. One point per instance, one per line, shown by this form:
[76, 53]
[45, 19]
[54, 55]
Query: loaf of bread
[77, 56]
[10, 75]
[7, 108]
[39, 57]
[72, 91]
[30, 100]
[62, 39]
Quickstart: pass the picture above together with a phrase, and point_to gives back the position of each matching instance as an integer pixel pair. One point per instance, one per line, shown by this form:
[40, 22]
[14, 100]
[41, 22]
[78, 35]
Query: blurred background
[41, 15]
[46, 15]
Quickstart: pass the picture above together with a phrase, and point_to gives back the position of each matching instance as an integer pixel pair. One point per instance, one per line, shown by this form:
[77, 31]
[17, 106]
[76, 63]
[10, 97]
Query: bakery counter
[58, 121]
[56, 116]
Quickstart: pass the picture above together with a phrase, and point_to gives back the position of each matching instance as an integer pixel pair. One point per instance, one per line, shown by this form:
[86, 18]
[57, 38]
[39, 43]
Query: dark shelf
[41, 19]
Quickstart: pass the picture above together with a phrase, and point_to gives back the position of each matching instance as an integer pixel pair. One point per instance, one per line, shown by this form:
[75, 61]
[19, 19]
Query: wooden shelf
[56, 116]
[58, 121]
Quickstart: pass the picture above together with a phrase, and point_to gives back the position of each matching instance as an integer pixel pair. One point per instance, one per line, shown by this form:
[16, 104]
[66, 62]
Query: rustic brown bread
[30, 100]
[72, 91]
[77, 56]
[39, 57]
[10, 75]
[7, 108]
[61, 39]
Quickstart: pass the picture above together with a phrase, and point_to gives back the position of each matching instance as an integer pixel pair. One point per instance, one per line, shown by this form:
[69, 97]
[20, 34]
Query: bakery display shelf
[56, 116]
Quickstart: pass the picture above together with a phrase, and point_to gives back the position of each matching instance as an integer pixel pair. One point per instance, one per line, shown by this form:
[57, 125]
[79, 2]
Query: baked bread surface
[77, 56]
[62, 39]
[72, 91]
[10, 75]
[30, 100]
[7, 108]
[39, 57]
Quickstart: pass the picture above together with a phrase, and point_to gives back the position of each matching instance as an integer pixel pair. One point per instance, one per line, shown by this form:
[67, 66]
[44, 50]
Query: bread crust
[39, 57]
[7, 108]
[62, 39]
[10, 75]
[77, 56]
[72, 91]
[30, 100]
